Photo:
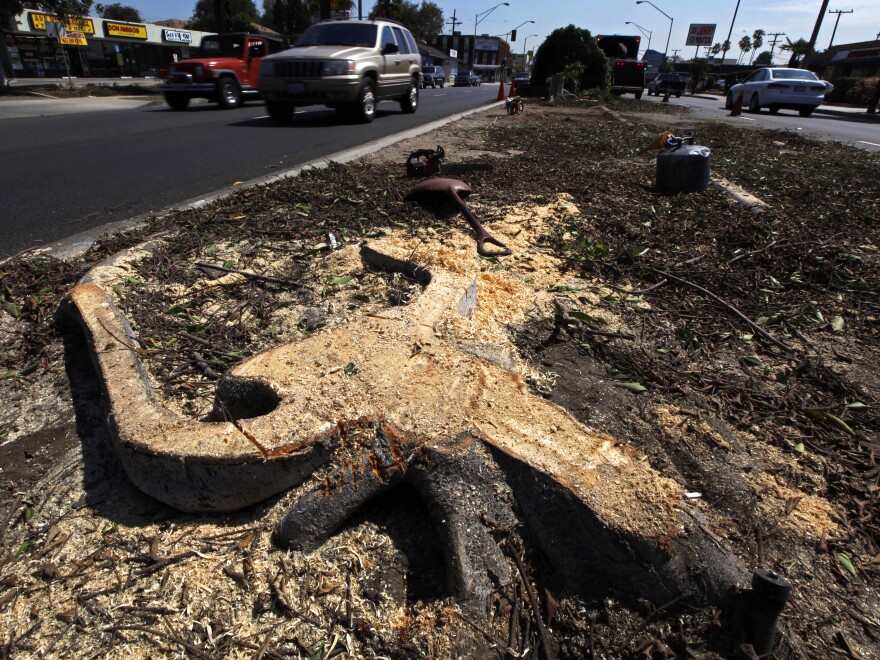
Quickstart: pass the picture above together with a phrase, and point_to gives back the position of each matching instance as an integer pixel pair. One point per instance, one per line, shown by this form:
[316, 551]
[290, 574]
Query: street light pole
[525, 64]
[645, 32]
[479, 17]
[648, 2]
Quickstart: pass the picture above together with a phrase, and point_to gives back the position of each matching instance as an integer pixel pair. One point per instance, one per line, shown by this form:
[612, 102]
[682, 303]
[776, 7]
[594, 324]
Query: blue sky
[794, 17]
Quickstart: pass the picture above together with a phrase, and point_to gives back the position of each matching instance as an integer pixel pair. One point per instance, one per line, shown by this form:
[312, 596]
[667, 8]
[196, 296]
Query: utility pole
[838, 12]
[729, 32]
[775, 36]
[815, 34]
[675, 55]
[453, 22]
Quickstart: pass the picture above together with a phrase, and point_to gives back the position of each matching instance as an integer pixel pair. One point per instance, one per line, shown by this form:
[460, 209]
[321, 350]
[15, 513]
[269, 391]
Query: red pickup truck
[225, 73]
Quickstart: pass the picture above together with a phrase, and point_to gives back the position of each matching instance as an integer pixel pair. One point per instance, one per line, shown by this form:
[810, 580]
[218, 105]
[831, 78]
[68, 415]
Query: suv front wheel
[364, 109]
[410, 102]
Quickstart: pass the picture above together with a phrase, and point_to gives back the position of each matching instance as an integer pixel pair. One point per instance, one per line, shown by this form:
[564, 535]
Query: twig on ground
[253, 276]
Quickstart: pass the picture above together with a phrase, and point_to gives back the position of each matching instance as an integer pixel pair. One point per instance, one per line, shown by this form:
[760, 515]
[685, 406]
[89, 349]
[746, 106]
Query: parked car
[433, 76]
[346, 65]
[522, 81]
[777, 88]
[466, 79]
[673, 83]
[225, 72]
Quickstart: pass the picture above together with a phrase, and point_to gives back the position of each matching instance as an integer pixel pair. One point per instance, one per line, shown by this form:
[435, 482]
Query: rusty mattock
[454, 190]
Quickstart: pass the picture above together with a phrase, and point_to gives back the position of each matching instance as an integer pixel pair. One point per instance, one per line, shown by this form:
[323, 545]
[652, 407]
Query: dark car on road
[522, 80]
[667, 82]
[433, 76]
[467, 79]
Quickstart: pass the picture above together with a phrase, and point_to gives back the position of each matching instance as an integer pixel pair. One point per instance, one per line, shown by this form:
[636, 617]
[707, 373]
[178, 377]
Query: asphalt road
[69, 168]
[855, 128]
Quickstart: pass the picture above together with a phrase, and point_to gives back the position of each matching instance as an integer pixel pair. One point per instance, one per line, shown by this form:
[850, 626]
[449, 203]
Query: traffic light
[513, 35]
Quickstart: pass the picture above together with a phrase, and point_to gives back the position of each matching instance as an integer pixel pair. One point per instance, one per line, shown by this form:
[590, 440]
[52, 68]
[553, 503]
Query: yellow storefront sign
[127, 30]
[74, 39]
[81, 25]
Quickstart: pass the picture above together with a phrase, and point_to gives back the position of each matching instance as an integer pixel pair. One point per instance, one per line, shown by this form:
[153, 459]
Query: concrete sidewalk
[17, 107]
[25, 84]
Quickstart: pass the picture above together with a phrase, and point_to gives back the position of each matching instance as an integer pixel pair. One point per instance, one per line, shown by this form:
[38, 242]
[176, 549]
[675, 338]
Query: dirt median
[773, 441]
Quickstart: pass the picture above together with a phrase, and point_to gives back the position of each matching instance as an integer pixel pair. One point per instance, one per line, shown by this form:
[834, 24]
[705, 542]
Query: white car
[776, 88]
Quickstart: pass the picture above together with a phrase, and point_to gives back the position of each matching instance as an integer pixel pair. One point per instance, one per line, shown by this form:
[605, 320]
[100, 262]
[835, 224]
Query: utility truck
[627, 71]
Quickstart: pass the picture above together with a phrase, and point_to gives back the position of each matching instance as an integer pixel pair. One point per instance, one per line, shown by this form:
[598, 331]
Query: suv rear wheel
[228, 93]
[410, 102]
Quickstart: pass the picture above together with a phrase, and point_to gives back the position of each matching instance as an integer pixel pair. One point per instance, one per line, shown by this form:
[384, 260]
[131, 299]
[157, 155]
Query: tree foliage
[119, 12]
[763, 59]
[223, 15]
[425, 21]
[290, 17]
[570, 45]
[699, 67]
[799, 49]
[745, 45]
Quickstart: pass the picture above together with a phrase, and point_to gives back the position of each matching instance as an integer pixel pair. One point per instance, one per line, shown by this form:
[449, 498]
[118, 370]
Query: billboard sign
[701, 34]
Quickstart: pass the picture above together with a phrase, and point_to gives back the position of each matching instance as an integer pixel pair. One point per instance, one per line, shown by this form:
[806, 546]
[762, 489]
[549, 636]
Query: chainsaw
[424, 162]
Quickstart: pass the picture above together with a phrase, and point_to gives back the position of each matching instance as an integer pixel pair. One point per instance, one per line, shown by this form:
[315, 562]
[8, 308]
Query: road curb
[79, 243]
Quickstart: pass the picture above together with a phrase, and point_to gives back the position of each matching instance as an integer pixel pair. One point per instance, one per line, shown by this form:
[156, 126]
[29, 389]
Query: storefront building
[94, 47]
[487, 56]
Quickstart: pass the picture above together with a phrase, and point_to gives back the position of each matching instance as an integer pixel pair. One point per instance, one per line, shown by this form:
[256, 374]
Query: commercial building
[38, 45]
[487, 56]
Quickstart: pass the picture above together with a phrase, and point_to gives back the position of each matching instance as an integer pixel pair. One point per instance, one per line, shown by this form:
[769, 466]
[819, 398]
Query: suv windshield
[339, 34]
[223, 45]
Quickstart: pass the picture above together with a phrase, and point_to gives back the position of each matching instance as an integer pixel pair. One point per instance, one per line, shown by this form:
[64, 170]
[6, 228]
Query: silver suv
[347, 65]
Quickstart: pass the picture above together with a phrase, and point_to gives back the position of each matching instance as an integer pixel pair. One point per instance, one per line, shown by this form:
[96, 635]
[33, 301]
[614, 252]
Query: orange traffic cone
[512, 91]
[501, 91]
[737, 109]
[666, 97]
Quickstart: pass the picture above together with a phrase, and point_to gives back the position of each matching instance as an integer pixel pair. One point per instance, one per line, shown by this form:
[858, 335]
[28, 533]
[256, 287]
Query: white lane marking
[873, 144]
[748, 118]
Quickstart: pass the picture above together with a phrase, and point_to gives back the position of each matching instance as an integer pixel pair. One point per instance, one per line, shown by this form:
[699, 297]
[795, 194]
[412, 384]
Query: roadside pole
[875, 100]
[57, 30]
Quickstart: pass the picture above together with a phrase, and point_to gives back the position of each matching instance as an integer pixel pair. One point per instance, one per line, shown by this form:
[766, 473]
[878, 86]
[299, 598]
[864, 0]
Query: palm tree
[715, 49]
[745, 45]
[799, 49]
[757, 42]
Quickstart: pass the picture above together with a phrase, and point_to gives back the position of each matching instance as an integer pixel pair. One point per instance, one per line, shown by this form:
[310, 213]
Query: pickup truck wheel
[228, 93]
[410, 102]
[805, 112]
[638, 95]
[176, 101]
[364, 109]
[281, 112]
